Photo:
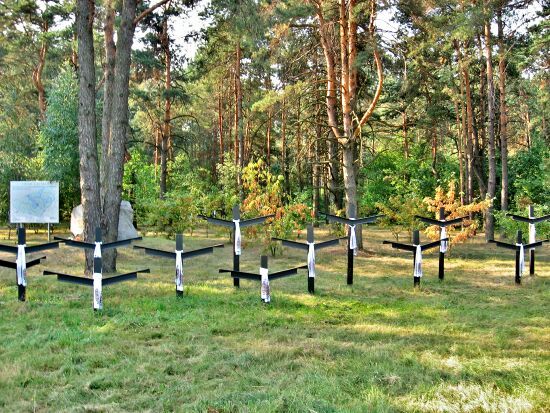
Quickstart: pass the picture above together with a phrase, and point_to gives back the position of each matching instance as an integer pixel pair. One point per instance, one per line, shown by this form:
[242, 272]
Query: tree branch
[149, 10]
[379, 71]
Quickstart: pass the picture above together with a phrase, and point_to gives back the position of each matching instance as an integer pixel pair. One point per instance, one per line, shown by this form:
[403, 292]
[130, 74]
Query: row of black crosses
[237, 223]
[519, 246]
[97, 281]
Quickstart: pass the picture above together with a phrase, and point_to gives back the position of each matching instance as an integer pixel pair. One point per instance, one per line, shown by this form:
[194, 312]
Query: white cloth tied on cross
[311, 259]
[532, 235]
[97, 250]
[444, 244]
[21, 266]
[237, 236]
[418, 261]
[264, 291]
[521, 259]
[98, 291]
[352, 239]
[98, 282]
[179, 270]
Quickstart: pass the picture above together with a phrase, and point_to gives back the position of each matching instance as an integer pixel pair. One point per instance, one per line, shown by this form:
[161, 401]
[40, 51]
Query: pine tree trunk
[37, 76]
[108, 83]
[220, 123]
[239, 133]
[89, 171]
[503, 120]
[491, 182]
[166, 130]
[299, 147]
[115, 168]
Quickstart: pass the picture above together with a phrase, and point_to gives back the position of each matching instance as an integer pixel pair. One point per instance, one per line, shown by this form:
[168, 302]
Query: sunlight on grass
[471, 398]
[475, 342]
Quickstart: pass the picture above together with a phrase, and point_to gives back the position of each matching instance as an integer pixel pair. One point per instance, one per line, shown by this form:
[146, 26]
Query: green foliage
[173, 215]
[188, 194]
[264, 197]
[473, 343]
[58, 140]
[228, 172]
[508, 228]
[530, 175]
[139, 185]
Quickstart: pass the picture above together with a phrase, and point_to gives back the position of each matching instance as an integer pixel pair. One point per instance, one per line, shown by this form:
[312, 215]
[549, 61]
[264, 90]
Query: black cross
[352, 220]
[441, 223]
[184, 255]
[517, 248]
[412, 248]
[231, 224]
[531, 220]
[258, 277]
[21, 241]
[305, 247]
[98, 266]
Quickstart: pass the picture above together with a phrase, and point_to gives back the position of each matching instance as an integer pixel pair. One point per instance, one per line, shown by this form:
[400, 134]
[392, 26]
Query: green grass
[474, 343]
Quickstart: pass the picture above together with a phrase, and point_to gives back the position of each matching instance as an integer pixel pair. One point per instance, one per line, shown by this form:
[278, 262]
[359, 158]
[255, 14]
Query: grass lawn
[474, 343]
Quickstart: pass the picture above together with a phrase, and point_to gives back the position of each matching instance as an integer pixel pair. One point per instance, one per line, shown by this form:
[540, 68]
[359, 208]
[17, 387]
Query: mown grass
[474, 343]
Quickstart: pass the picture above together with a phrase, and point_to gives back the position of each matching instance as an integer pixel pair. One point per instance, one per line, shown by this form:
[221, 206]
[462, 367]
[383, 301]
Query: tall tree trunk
[472, 133]
[503, 120]
[316, 161]
[460, 150]
[166, 130]
[108, 83]
[284, 148]
[220, 122]
[299, 154]
[268, 136]
[239, 133]
[491, 181]
[119, 133]
[37, 75]
[468, 184]
[87, 148]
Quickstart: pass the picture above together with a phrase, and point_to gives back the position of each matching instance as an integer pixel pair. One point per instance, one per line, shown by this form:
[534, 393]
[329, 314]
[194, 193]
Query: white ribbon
[532, 235]
[179, 271]
[265, 292]
[311, 260]
[521, 259]
[352, 239]
[97, 250]
[418, 261]
[444, 244]
[98, 291]
[21, 264]
[237, 236]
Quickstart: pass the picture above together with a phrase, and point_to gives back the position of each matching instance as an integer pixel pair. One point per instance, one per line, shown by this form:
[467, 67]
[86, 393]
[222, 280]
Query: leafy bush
[449, 200]
[529, 172]
[58, 139]
[264, 197]
[507, 227]
[140, 186]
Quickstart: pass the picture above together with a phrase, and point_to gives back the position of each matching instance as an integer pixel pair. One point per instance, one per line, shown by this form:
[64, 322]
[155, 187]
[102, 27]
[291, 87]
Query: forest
[297, 121]
[288, 107]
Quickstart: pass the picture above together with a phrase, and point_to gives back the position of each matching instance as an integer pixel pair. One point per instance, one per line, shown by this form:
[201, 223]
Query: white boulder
[125, 223]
